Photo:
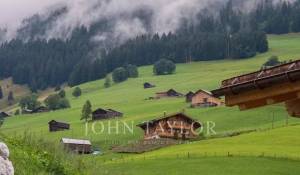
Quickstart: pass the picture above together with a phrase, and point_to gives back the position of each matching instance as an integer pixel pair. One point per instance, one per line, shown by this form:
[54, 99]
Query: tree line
[231, 33]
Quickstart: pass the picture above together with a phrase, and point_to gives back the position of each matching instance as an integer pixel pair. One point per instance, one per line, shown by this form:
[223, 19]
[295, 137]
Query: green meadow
[273, 148]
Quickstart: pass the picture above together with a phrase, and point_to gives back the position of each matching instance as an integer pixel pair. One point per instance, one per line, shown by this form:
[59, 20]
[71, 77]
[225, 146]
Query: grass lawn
[129, 98]
[211, 166]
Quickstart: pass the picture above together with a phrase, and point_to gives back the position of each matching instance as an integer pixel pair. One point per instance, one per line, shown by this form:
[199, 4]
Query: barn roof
[76, 141]
[283, 73]
[54, 121]
[100, 110]
[4, 114]
[204, 91]
[189, 93]
[168, 91]
[142, 125]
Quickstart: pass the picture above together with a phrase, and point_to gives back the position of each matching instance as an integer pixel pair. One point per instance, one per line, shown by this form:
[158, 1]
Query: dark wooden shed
[4, 115]
[58, 126]
[189, 96]
[102, 114]
[148, 85]
[77, 146]
[169, 93]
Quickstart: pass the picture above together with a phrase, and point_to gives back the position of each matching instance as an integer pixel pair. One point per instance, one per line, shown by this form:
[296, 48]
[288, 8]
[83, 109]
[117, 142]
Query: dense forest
[231, 33]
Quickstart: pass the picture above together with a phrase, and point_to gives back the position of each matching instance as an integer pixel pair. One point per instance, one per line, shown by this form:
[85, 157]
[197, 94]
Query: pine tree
[62, 93]
[86, 111]
[10, 98]
[107, 82]
[1, 93]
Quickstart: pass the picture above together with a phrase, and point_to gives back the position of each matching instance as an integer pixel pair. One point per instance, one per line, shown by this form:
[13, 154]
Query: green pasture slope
[252, 153]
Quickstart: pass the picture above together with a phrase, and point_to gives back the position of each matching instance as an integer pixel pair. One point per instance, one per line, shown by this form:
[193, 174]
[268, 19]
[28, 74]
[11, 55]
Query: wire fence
[191, 155]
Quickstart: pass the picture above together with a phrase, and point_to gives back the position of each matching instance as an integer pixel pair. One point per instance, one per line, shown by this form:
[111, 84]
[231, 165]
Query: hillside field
[266, 151]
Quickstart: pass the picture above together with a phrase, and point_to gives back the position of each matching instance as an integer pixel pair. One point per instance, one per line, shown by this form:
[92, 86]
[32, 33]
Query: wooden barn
[278, 84]
[204, 98]
[102, 114]
[77, 146]
[169, 93]
[148, 85]
[173, 126]
[58, 126]
[189, 96]
[4, 115]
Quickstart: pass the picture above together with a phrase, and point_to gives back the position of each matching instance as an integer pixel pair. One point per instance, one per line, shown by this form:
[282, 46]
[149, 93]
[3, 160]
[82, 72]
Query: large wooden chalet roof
[144, 124]
[283, 73]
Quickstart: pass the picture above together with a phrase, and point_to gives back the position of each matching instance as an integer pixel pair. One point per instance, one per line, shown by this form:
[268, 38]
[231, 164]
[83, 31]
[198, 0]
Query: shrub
[1, 122]
[120, 74]
[57, 88]
[17, 112]
[62, 93]
[77, 92]
[132, 71]
[272, 61]
[107, 82]
[29, 102]
[55, 102]
[164, 67]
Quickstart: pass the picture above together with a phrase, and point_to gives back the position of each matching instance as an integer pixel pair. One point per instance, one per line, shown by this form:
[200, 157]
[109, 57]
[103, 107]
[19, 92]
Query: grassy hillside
[129, 97]
[18, 91]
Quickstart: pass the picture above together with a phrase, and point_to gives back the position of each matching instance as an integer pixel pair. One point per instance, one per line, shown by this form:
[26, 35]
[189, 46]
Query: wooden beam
[267, 93]
[293, 107]
[269, 101]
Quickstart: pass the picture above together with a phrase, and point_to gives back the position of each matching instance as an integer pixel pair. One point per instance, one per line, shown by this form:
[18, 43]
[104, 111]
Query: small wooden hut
[4, 115]
[173, 126]
[189, 96]
[58, 126]
[148, 85]
[77, 146]
[102, 114]
[169, 93]
[203, 98]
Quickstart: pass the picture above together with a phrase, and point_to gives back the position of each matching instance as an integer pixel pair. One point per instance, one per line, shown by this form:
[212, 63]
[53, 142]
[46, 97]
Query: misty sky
[12, 11]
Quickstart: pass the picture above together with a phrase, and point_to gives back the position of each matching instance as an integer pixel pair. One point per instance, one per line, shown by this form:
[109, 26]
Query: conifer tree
[1, 93]
[107, 82]
[86, 111]
[10, 98]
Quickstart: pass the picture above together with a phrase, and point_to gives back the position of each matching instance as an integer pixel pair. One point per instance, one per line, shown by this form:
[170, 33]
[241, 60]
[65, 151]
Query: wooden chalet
[265, 87]
[102, 114]
[77, 146]
[204, 98]
[173, 126]
[189, 96]
[58, 126]
[4, 115]
[148, 85]
[169, 93]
